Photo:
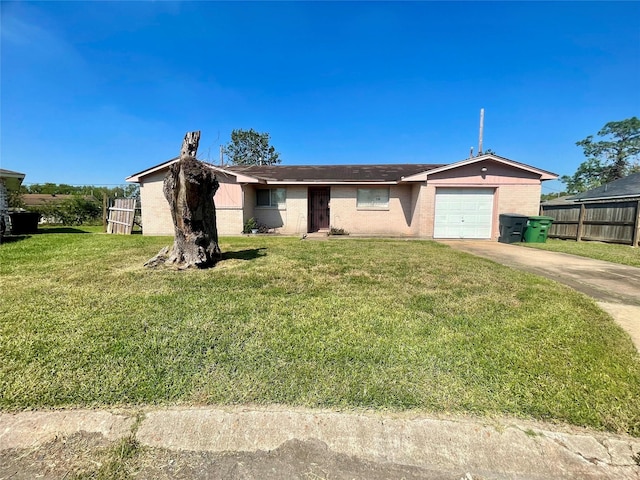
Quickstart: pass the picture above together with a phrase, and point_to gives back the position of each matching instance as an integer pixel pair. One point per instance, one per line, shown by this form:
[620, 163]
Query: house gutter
[598, 199]
[329, 182]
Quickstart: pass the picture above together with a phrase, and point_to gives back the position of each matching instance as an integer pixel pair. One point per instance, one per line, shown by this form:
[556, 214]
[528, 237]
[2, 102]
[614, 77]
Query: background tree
[77, 210]
[614, 156]
[248, 147]
[98, 192]
[552, 196]
[15, 199]
[85, 207]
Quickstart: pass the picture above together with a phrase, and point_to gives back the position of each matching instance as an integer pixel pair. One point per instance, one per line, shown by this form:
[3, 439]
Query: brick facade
[156, 216]
[396, 220]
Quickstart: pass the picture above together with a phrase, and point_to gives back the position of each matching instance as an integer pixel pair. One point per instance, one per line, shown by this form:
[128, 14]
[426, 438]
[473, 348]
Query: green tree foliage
[551, 196]
[248, 147]
[15, 199]
[612, 157]
[77, 210]
[98, 192]
[85, 206]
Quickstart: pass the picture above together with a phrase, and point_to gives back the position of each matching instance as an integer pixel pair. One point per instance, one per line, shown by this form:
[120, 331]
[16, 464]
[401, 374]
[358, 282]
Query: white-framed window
[271, 197]
[373, 198]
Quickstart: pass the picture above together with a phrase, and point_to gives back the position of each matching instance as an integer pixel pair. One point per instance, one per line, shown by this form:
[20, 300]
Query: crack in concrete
[605, 443]
[592, 460]
[606, 447]
[596, 460]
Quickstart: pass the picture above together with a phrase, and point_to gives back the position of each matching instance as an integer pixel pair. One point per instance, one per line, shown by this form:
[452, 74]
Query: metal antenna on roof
[481, 131]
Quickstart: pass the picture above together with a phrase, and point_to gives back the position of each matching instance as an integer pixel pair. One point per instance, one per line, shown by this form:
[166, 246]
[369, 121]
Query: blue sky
[92, 92]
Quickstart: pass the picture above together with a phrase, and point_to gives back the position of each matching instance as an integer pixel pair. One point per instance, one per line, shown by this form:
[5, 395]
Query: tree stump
[189, 187]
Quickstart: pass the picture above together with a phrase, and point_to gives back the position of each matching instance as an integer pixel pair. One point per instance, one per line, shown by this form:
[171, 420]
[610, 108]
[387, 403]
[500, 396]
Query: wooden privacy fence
[121, 216]
[609, 221]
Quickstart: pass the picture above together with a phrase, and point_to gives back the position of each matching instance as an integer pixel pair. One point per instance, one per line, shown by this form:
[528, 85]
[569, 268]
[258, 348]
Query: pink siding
[229, 195]
[495, 175]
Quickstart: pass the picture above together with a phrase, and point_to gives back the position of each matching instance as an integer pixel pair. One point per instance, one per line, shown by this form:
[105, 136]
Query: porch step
[318, 234]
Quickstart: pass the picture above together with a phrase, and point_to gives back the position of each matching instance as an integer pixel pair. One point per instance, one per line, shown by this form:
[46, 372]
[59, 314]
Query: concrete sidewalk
[279, 443]
[615, 287]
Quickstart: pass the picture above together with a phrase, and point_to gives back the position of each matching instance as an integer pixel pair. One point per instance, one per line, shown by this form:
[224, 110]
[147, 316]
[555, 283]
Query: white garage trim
[463, 213]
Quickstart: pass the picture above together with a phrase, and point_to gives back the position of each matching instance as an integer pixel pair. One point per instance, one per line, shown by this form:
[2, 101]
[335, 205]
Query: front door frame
[319, 212]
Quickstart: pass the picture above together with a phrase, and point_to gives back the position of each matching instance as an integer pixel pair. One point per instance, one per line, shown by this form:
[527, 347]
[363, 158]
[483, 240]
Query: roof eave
[12, 180]
[544, 175]
[240, 178]
[610, 197]
[331, 182]
[418, 177]
[137, 177]
[11, 174]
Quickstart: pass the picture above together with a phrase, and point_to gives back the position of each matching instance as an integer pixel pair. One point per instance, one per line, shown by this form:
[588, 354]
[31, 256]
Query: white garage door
[463, 213]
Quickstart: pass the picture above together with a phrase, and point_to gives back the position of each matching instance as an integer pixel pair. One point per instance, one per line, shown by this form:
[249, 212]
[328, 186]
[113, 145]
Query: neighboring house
[608, 213]
[37, 202]
[458, 200]
[34, 200]
[627, 188]
[9, 180]
[564, 200]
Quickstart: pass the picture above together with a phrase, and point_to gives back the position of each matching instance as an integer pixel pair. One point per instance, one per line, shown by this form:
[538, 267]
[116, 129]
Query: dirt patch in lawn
[89, 456]
[65, 457]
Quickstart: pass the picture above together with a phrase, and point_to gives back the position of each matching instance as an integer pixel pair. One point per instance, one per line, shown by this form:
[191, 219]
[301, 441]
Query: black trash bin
[512, 226]
[24, 223]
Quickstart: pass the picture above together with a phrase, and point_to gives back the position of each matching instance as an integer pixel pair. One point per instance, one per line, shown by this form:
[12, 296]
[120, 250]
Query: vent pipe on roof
[471, 152]
[481, 131]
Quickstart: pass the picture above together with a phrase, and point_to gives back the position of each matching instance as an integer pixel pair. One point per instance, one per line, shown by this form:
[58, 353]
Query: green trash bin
[537, 229]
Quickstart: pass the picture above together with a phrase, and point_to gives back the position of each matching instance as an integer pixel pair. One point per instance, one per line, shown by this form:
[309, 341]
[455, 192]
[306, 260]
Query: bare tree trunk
[189, 187]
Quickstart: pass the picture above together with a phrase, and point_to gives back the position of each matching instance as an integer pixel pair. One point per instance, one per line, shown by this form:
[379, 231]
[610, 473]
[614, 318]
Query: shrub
[337, 231]
[250, 224]
[74, 211]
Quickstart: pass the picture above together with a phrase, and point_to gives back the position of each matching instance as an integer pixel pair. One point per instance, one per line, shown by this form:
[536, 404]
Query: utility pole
[481, 131]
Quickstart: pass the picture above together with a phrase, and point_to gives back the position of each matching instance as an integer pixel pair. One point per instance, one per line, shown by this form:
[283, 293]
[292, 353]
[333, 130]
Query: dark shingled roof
[39, 199]
[622, 188]
[10, 173]
[565, 200]
[333, 173]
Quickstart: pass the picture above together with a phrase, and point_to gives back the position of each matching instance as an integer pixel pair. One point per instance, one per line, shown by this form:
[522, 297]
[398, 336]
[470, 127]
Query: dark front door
[318, 209]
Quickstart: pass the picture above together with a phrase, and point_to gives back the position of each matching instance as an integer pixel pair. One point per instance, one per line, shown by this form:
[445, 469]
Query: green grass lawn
[623, 254]
[341, 324]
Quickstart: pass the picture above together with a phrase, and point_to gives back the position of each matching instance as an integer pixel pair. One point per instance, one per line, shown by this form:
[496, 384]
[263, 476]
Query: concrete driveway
[616, 288]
